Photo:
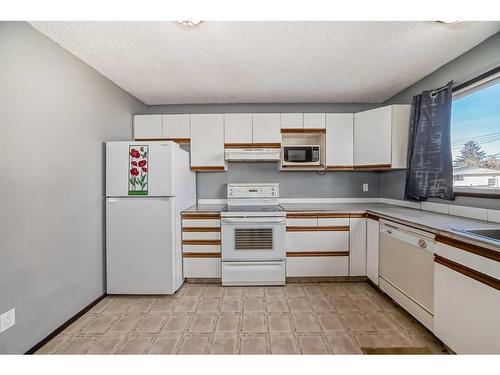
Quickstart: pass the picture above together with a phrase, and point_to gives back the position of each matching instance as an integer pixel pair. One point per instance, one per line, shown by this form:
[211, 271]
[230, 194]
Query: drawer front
[317, 266]
[317, 241]
[202, 267]
[201, 235]
[309, 222]
[201, 223]
[253, 273]
[333, 222]
[201, 248]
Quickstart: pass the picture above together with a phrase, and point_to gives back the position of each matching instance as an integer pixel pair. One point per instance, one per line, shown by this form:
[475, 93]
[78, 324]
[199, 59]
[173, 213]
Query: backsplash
[292, 184]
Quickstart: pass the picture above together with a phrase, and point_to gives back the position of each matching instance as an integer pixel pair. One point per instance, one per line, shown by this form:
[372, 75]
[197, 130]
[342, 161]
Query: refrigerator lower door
[140, 246]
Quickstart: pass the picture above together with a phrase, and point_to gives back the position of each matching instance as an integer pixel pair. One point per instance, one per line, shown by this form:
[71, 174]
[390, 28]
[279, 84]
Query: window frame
[461, 90]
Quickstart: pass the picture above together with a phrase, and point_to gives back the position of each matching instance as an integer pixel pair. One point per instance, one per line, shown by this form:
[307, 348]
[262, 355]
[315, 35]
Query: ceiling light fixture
[449, 22]
[189, 24]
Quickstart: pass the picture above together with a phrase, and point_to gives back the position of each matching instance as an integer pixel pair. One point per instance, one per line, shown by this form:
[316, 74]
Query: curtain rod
[460, 86]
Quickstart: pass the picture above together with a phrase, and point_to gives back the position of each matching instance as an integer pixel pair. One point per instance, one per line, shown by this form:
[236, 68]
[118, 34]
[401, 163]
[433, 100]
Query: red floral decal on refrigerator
[138, 170]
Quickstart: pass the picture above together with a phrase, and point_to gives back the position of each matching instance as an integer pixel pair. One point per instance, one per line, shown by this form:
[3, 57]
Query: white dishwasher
[407, 269]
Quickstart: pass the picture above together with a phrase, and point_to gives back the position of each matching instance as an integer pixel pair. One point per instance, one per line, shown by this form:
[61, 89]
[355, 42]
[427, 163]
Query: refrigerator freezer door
[156, 165]
[140, 250]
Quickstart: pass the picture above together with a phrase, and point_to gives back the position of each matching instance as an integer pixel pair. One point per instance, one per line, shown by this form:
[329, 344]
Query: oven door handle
[251, 220]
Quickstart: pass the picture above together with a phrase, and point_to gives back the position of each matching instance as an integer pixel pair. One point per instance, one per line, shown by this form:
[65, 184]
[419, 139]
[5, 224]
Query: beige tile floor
[309, 318]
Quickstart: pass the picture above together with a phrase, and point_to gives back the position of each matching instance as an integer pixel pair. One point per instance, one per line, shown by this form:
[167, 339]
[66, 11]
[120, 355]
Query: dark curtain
[429, 170]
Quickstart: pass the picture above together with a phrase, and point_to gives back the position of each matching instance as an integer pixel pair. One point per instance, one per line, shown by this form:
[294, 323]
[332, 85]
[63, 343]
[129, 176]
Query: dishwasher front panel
[407, 266]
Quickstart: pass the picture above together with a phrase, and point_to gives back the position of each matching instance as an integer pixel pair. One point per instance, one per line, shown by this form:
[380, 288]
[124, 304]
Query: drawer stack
[201, 244]
[317, 244]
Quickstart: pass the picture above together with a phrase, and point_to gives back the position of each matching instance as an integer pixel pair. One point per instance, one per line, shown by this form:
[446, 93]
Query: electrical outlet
[365, 187]
[7, 319]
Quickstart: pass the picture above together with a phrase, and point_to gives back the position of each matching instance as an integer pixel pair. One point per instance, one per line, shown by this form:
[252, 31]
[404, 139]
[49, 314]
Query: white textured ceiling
[266, 62]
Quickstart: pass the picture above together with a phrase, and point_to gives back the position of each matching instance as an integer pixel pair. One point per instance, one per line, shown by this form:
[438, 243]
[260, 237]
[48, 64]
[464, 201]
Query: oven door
[253, 238]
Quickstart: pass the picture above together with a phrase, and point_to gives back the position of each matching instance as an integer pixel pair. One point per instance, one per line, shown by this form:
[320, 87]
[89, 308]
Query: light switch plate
[7, 319]
[365, 187]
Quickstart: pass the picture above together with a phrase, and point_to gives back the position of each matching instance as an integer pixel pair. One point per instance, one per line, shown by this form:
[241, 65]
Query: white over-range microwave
[300, 155]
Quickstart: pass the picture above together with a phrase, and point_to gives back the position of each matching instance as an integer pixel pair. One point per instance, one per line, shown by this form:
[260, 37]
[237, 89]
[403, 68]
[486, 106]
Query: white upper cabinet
[176, 126]
[238, 128]
[372, 137]
[381, 137]
[339, 140]
[314, 121]
[292, 121]
[148, 127]
[266, 128]
[207, 142]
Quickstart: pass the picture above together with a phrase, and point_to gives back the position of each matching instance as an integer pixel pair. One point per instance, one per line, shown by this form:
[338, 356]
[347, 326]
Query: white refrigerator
[148, 184]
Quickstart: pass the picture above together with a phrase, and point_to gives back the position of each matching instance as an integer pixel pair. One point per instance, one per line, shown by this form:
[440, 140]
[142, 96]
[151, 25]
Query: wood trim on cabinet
[215, 168]
[324, 215]
[178, 140]
[358, 216]
[470, 248]
[339, 168]
[298, 130]
[340, 228]
[469, 272]
[201, 255]
[201, 216]
[201, 242]
[372, 167]
[372, 217]
[301, 215]
[318, 254]
[201, 229]
[252, 145]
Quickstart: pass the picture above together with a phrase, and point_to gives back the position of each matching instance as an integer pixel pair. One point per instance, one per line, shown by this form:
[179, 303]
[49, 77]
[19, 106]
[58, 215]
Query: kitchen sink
[490, 233]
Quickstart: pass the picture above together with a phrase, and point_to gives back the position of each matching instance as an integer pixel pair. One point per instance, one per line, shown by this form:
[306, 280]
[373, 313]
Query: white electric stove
[253, 236]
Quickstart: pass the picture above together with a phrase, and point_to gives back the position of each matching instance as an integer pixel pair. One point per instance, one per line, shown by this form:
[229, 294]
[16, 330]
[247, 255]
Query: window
[475, 137]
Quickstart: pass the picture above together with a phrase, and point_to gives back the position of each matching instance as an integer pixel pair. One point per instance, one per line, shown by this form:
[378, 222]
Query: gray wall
[478, 60]
[55, 112]
[292, 184]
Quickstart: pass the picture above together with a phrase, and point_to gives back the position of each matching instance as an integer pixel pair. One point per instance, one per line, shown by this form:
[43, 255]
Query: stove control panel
[255, 191]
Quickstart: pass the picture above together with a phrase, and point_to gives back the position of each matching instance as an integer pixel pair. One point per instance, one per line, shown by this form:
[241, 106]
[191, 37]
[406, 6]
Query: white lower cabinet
[201, 245]
[357, 246]
[466, 309]
[316, 241]
[202, 267]
[317, 246]
[372, 251]
[317, 266]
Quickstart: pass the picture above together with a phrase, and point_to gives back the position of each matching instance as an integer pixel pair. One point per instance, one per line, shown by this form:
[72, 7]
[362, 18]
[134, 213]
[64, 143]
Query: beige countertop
[446, 225]
[205, 208]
